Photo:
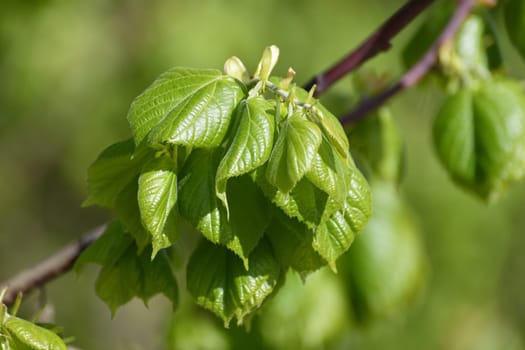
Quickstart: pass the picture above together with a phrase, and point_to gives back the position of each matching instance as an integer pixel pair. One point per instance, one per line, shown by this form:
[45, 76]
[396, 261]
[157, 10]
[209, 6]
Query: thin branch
[378, 42]
[47, 270]
[420, 69]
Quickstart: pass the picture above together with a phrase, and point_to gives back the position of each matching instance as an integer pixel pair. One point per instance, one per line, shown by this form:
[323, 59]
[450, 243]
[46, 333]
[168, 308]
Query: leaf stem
[378, 42]
[420, 69]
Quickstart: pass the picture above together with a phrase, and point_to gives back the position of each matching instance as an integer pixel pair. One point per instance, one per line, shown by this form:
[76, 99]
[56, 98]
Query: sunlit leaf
[329, 172]
[333, 130]
[186, 106]
[157, 196]
[251, 143]
[219, 282]
[293, 152]
[24, 335]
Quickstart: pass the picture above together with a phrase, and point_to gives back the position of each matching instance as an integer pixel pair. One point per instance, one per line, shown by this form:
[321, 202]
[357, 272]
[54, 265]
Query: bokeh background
[69, 70]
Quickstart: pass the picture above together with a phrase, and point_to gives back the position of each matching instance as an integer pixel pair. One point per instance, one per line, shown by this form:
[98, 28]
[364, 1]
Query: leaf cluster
[479, 131]
[255, 164]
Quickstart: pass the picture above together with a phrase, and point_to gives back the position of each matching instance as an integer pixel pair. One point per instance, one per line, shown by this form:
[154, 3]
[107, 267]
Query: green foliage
[480, 137]
[241, 160]
[293, 153]
[479, 132]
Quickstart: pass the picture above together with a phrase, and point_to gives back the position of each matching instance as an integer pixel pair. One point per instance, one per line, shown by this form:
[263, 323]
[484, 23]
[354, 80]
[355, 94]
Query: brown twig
[379, 41]
[52, 267]
[419, 70]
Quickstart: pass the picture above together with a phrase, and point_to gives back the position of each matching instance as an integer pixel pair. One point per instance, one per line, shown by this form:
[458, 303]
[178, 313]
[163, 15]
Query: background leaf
[385, 266]
[480, 137]
[219, 282]
[376, 140]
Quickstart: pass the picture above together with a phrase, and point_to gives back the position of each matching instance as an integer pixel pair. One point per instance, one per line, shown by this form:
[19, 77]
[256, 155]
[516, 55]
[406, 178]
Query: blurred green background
[69, 70]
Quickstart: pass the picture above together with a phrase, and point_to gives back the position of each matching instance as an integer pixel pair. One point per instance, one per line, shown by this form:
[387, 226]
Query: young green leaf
[113, 170]
[293, 153]
[202, 208]
[126, 274]
[157, 196]
[480, 137]
[219, 282]
[515, 24]
[24, 335]
[334, 236]
[267, 63]
[251, 143]
[185, 106]
[329, 172]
